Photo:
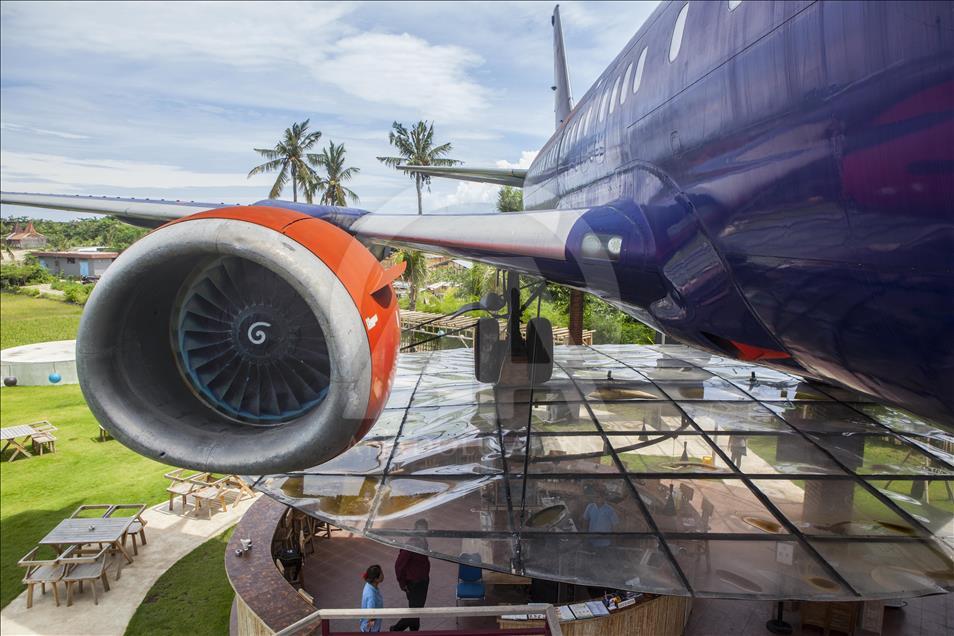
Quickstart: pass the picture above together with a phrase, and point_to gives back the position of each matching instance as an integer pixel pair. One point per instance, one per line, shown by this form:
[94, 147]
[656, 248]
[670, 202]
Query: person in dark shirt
[413, 575]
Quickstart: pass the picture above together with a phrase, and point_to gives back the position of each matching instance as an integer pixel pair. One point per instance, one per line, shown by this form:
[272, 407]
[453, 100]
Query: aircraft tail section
[562, 97]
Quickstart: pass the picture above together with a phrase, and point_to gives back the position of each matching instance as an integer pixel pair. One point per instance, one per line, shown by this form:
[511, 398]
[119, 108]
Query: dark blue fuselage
[784, 187]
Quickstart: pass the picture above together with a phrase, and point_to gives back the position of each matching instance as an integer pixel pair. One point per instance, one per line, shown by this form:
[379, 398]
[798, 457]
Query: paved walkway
[171, 536]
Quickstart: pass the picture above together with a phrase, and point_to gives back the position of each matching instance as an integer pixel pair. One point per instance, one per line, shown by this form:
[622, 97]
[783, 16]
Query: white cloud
[56, 173]
[407, 71]
[526, 158]
[40, 131]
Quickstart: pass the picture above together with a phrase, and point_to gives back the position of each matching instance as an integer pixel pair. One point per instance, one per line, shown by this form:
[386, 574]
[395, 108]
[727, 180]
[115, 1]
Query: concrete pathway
[171, 536]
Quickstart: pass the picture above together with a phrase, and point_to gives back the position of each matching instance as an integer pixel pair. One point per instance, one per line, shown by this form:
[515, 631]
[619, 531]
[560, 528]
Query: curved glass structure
[653, 468]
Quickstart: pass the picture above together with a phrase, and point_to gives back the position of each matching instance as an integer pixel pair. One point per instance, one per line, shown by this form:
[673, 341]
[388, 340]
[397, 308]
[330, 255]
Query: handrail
[552, 617]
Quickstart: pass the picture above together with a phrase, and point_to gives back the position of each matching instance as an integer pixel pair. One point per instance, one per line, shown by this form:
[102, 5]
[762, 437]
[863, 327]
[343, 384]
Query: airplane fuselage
[784, 187]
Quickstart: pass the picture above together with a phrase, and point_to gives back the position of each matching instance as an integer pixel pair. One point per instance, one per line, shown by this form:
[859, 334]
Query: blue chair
[470, 584]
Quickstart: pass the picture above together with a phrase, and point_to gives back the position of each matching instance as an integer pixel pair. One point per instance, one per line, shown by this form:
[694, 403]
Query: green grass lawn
[26, 320]
[38, 492]
[195, 592]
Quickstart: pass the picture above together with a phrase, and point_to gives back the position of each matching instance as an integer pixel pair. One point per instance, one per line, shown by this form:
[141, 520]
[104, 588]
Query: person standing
[371, 597]
[413, 575]
[600, 516]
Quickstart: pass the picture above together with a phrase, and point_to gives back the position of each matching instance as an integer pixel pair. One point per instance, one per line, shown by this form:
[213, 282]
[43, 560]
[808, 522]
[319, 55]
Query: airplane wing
[498, 176]
[524, 242]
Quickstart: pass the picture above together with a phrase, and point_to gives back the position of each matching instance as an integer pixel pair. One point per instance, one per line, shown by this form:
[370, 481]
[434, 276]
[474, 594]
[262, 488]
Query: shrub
[20, 274]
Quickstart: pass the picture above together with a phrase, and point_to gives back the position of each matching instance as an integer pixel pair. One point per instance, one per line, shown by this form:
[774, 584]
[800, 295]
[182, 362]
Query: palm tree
[415, 273]
[290, 157]
[416, 148]
[332, 159]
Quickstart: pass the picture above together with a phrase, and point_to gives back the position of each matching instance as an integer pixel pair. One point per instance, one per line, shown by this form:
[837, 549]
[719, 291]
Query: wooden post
[576, 317]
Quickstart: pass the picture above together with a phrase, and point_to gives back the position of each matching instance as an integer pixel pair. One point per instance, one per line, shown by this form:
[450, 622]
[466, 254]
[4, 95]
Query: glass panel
[733, 416]
[769, 454]
[576, 505]
[491, 553]
[834, 507]
[881, 455]
[463, 456]
[472, 505]
[898, 420]
[768, 384]
[939, 445]
[575, 558]
[562, 417]
[667, 453]
[619, 389]
[769, 568]
[344, 500]
[825, 417]
[366, 457]
[450, 422]
[640, 418]
[890, 569]
[388, 424]
[681, 373]
[562, 454]
[711, 389]
[931, 502]
[705, 505]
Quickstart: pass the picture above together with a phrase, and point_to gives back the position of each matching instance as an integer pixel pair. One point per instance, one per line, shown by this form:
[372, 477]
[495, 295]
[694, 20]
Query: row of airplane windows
[610, 98]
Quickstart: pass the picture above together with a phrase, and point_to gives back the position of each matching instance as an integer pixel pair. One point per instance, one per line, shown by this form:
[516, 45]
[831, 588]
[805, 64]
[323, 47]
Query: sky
[168, 100]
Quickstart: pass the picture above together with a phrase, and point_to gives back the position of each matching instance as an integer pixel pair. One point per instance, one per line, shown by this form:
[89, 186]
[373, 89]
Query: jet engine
[243, 340]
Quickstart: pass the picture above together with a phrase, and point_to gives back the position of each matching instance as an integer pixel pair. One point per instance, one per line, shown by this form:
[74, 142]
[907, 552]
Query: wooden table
[491, 577]
[11, 434]
[90, 530]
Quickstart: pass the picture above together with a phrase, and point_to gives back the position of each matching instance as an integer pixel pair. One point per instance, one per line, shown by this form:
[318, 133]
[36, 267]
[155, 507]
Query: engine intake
[244, 340]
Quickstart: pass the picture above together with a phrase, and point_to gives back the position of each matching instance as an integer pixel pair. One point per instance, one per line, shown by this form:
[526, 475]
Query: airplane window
[677, 31]
[639, 70]
[624, 92]
[603, 105]
[612, 104]
[733, 4]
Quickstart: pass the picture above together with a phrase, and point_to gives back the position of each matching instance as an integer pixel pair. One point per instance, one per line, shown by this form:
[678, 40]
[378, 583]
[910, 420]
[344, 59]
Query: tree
[416, 147]
[332, 159]
[414, 273]
[510, 199]
[290, 158]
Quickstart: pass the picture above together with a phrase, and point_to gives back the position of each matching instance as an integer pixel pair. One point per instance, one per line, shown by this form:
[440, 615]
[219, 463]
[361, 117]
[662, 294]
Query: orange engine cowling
[243, 340]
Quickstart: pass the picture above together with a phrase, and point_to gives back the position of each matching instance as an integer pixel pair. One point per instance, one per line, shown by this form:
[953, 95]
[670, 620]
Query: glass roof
[654, 468]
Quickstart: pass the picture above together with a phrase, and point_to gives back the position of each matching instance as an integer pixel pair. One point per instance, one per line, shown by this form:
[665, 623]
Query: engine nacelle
[242, 340]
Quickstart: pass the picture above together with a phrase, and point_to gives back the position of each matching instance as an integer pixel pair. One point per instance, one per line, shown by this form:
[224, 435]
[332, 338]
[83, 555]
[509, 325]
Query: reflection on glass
[576, 505]
[881, 455]
[825, 417]
[770, 569]
[640, 418]
[929, 501]
[705, 505]
[711, 389]
[733, 417]
[834, 507]
[667, 454]
[890, 569]
[770, 454]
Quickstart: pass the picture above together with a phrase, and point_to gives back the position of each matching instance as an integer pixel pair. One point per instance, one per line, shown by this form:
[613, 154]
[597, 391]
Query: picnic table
[10, 435]
[81, 531]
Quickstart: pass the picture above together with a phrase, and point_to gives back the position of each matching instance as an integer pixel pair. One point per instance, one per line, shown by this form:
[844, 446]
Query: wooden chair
[87, 565]
[98, 510]
[829, 616]
[181, 485]
[305, 541]
[236, 483]
[43, 439]
[137, 527]
[308, 597]
[212, 491]
[41, 571]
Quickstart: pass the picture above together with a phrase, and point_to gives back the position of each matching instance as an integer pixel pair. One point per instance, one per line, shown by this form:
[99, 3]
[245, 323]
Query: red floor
[333, 576]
